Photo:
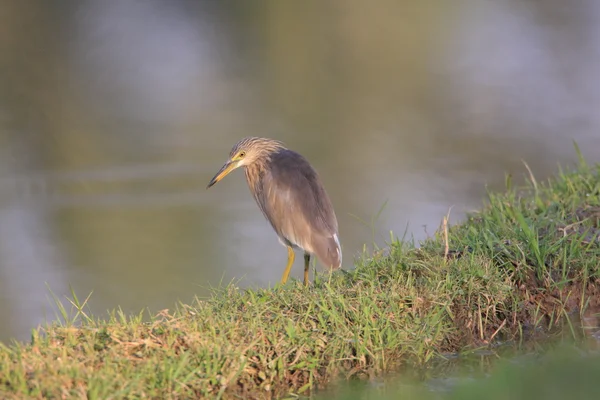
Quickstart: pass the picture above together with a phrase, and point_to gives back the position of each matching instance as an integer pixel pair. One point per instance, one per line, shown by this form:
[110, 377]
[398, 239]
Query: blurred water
[560, 371]
[115, 114]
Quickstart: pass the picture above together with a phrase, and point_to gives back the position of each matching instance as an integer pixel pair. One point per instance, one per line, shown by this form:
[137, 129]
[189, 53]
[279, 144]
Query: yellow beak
[223, 172]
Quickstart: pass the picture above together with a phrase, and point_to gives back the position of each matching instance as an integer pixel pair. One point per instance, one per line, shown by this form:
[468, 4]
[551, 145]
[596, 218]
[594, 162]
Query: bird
[292, 198]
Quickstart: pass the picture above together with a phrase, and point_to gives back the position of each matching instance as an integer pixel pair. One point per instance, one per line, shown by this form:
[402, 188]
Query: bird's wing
[297, 206]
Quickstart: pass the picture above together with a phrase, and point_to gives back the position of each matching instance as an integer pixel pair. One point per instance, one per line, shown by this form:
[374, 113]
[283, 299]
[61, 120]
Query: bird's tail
[329, 252]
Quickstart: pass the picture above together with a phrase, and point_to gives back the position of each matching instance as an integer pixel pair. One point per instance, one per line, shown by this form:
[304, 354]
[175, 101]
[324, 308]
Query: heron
[292, 198]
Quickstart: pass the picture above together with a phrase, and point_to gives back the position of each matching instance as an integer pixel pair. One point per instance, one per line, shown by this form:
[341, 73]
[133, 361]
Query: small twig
[497, 330]
[480, 321]
[445, 227]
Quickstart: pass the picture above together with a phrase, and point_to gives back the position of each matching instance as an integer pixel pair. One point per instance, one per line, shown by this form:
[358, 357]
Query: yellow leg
[306, 265]
[288, 268]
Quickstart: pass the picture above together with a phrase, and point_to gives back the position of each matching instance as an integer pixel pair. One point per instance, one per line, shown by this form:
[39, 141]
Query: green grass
[527, 263]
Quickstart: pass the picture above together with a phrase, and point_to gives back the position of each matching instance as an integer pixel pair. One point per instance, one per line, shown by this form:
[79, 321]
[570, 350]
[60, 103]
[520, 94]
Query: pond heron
[291, 196]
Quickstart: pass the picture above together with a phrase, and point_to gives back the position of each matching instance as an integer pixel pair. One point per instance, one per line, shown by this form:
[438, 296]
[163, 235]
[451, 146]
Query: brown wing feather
[291, 196]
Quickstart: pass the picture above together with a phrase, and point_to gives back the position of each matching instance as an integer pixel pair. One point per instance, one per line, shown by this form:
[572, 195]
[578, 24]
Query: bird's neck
[254, 173]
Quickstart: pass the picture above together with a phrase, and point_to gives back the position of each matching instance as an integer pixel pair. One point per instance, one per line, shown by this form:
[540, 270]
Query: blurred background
[115, 114]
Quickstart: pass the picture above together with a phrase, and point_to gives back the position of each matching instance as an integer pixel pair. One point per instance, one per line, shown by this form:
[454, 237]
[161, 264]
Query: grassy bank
[529, 259]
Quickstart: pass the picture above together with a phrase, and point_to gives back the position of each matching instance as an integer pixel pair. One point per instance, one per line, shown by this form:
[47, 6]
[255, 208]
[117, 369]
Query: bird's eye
[242, 154]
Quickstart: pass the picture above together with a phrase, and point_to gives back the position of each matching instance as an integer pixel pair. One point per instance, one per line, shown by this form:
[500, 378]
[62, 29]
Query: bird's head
[246, 152]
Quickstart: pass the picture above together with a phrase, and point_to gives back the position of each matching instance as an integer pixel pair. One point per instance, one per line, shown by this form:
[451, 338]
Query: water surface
[115, 114]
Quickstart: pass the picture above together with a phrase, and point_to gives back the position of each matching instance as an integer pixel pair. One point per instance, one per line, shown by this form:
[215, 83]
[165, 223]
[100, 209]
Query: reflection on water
[114, 115]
